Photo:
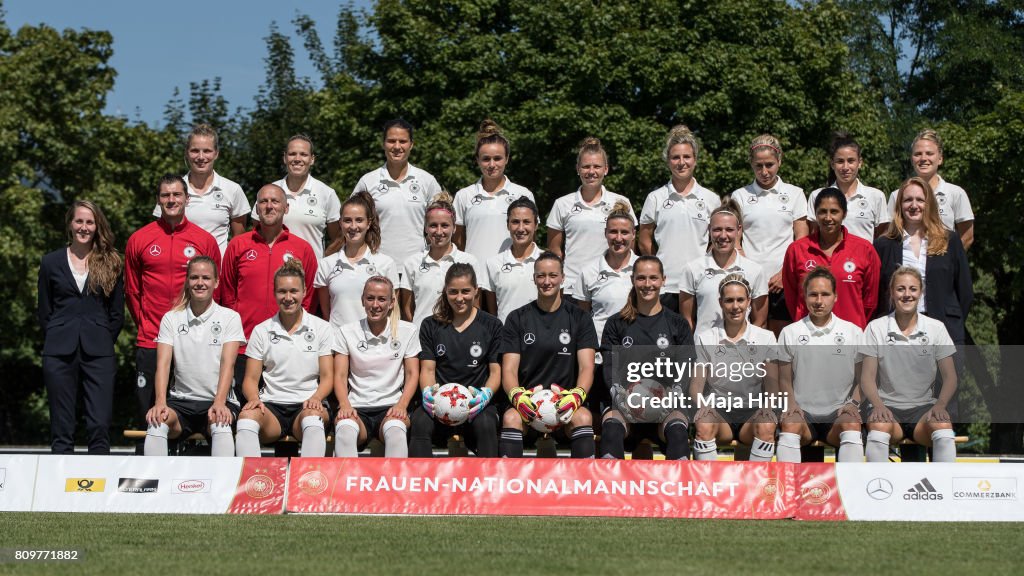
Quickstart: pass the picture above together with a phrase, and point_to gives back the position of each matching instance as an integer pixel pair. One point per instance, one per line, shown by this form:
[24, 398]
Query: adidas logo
[923, 490]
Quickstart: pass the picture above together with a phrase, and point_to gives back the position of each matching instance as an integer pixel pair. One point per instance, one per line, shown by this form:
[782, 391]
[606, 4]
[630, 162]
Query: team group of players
[351, 315]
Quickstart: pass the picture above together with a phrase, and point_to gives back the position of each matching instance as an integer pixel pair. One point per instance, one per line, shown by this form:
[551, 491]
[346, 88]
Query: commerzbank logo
[923, 490]
[984, 488]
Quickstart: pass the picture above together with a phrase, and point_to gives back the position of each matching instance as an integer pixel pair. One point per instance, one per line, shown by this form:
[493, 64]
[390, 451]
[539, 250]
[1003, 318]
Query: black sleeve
[494, 330]
[115, 308]
[610, 337]
[964, 284]
[45, 306]
[427, 329]
[886, 267]
[510, 334]
[586, 334]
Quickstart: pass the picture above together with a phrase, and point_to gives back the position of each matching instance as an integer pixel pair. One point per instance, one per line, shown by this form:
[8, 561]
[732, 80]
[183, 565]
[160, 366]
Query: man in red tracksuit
[250, 262]
[155, 261]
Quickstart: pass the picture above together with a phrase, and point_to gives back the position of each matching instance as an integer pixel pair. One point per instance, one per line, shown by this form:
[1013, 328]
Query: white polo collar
[508, 258]
[815, 331]
[194, 320]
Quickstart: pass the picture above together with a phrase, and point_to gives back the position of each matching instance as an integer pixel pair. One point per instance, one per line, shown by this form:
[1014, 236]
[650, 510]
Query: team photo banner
[541, 487]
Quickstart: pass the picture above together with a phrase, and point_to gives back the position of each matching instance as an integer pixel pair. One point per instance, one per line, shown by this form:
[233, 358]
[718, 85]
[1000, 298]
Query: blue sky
[162, 45]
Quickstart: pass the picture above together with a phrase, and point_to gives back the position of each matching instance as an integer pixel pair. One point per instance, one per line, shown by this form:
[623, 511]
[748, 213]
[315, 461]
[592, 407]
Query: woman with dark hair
[851, 259]
[508, 283]
[81, 311]
[642, 325]
[868, 213]
[401, 191]
[459, 344]
[481, 209]
[351, 260]
[313, 207]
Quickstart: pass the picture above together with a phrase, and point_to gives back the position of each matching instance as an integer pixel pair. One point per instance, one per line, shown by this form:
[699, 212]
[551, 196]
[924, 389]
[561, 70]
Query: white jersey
[510, 280]
[768, 217]
[907, 363]
[701, 278]
[680, 227]
[424, 277]
[485, 217]
[756, 348]
[376, 369]
[607, 290]
[309, 212]
[291, 362]
[583, 226]
[401, 207]
[197, 342]
[865, 210]
[344, 281]
[954, 205]
[214, 210]
[824, 362]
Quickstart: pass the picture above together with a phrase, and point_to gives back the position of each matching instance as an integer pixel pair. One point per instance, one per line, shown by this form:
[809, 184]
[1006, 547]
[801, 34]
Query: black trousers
[145, 384]
[62, 375]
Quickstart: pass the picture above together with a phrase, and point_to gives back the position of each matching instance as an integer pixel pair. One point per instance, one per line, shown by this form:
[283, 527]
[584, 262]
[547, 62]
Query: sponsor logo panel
[138, 485]
[985, 488]
[85, 484]
[922, 491]
[191, 486]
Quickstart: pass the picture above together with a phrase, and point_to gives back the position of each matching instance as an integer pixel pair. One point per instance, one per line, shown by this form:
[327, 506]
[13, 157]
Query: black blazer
[948, 290]
[70, 318]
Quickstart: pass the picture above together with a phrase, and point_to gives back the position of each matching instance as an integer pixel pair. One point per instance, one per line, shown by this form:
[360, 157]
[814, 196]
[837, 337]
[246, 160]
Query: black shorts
[372, 419]
[467, 430]
[909, 417]
[287, 413]
[737, 418]
[777, 309]
[821, 425]
[192, 415]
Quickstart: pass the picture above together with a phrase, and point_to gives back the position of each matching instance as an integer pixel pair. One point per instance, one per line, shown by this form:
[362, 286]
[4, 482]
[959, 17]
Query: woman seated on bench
[202, 338]
[735, 342]
[375, 375]
[819, 366]
[292, 351]
[902, 354]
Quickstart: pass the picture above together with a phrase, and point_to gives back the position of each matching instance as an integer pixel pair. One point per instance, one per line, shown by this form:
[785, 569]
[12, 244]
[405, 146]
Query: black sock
[420, 433]
[581, 444]
[485, 430]
[511, 443]
[613, 439]
[677, 441]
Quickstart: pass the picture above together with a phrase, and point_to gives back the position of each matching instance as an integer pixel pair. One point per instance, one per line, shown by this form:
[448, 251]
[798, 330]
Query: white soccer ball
[451, 404]
[546, 401]
[637, 407]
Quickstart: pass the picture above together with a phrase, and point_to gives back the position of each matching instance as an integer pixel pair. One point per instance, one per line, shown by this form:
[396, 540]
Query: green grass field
[279, 545]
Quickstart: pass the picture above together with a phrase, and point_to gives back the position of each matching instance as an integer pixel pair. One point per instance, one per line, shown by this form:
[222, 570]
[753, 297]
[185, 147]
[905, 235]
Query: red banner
[542, 487]
[260, 488]
[818, 494]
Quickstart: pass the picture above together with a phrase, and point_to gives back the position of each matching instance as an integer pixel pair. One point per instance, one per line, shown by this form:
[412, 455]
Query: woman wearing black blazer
[917, 238]
[916, 234]
[81, 310]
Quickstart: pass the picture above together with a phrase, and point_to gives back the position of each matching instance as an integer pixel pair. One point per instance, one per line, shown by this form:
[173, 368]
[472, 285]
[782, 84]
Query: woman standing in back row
[774, 215]
[481, 209]
[401, 192]
[576, 221]
[868, 215]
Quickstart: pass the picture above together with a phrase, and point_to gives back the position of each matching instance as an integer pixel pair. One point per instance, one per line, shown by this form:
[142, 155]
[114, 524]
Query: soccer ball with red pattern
[546, 400]
[451, 404]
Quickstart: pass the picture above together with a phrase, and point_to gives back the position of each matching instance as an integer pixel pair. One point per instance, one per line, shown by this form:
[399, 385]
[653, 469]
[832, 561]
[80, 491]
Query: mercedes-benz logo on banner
[879, 488]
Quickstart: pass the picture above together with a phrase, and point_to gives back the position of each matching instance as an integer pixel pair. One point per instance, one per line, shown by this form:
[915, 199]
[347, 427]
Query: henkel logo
[923, 490]
[191, 486]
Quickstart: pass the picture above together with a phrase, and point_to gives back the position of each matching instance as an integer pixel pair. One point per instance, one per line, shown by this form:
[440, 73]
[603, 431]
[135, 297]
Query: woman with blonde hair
[676, 216]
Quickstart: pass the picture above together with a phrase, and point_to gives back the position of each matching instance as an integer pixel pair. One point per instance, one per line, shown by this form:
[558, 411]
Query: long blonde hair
[393, 317]
[184, 299]
[935, 231]
[105, 262]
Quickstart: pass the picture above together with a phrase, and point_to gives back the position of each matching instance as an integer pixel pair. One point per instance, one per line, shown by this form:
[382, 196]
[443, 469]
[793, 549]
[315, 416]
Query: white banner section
[932, 492]
[17, 480]
[136, 484]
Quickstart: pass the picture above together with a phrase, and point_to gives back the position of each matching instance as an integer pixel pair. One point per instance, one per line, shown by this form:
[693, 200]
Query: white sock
[878, 446]
[788, 447]
[851, 446]
[346, 439]
[156, 440]
[943, 445]
[705, 450]
[221, 442]
[247, 438]
[762, 450]
[395, 443]
[314, 440]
